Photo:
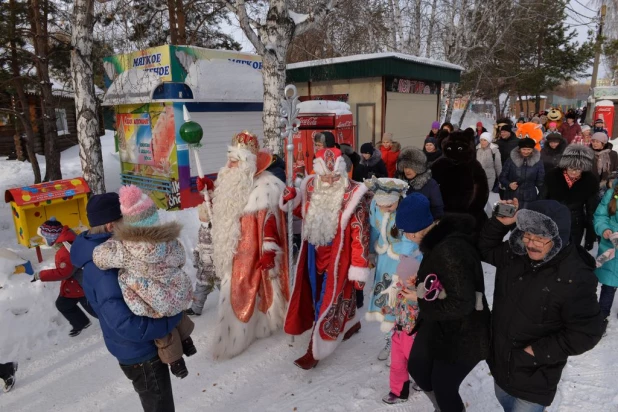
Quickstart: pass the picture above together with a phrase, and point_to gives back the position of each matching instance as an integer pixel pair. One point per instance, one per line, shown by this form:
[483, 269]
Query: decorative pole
[289, 126]
[192, 133]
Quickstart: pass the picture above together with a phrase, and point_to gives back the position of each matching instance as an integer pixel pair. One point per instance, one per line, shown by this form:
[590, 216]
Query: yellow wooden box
[32, 205]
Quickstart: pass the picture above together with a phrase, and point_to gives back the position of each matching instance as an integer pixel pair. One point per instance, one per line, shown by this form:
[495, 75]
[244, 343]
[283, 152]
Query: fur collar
[165, 232]
[420, 180]
[373, 160]
[518, 159]
[452, 223]
[267, 189]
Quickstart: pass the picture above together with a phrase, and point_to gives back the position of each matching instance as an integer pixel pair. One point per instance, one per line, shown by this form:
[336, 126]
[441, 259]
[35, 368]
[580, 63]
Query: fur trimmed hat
[577, 156]
[412, 158]
[546, 218]
[137, 208]
[553, 136]
[329, 161]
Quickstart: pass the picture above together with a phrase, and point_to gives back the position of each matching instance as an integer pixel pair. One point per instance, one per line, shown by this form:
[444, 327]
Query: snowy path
[59, 373]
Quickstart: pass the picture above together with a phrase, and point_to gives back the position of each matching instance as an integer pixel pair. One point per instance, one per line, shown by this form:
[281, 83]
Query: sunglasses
[433, 288]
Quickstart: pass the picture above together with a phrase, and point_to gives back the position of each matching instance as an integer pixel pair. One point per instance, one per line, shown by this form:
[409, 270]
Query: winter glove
[204, 182]
[359, 285]
[289, 193]
[267, 261]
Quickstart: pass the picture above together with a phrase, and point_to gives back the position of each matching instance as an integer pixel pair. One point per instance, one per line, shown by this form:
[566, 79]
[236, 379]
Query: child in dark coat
[372, 161]
[56, 235]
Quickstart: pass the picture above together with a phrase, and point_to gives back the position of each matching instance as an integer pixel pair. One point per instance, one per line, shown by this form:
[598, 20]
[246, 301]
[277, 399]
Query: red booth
[318, 116]
[605, 110]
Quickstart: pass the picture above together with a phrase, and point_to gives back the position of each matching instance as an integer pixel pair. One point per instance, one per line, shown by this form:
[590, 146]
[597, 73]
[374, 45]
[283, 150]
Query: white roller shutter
[409, 116]
[219, 128]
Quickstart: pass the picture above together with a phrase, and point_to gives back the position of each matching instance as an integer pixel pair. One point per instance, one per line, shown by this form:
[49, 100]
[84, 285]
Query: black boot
[179, 369]
[188, 348]
[9, 382]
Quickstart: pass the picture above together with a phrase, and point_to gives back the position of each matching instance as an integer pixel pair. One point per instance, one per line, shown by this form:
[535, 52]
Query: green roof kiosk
[387, 92]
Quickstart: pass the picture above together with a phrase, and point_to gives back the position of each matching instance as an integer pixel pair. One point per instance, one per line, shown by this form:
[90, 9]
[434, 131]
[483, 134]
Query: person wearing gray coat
[488, 155]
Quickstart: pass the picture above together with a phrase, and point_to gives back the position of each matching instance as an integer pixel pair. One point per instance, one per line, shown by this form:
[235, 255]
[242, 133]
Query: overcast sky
[582, 17]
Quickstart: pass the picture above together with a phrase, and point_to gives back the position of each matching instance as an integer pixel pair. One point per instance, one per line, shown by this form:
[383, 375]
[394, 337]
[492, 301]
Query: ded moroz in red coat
[69, 288]
[348, 265]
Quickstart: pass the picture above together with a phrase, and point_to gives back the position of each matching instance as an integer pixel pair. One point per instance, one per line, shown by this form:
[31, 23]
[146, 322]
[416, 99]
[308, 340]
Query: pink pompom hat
[137, 208]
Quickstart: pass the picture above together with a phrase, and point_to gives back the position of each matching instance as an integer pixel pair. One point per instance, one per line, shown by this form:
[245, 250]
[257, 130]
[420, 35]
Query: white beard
[322, 219]
[233, 187]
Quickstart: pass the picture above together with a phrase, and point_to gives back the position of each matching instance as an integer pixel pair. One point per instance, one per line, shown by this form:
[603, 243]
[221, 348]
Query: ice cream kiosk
[152, 88]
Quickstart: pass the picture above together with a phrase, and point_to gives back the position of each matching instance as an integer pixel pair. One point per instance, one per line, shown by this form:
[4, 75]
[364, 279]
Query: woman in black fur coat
[574, 185]
[452, 330]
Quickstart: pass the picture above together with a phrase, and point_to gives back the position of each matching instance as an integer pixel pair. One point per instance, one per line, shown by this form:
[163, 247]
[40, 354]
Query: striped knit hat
[137, 208]
[50, 231]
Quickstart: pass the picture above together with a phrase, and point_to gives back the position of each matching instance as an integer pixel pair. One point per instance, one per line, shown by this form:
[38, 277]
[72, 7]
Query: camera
[504, 210]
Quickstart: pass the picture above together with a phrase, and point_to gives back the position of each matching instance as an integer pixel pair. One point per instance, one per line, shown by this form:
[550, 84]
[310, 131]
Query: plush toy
[531, 130]
[461, 177]
[554, 115]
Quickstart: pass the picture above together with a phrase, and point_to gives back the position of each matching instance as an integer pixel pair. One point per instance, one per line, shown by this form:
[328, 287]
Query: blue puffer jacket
[130, 338]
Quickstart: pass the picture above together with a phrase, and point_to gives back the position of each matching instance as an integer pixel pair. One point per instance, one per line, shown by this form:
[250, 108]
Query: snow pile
[324, 106]
[59, 373]
[604, 103]
[224, 81]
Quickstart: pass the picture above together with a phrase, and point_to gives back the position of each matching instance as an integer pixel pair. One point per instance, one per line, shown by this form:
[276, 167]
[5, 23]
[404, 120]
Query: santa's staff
[192, 133]
[289, 123]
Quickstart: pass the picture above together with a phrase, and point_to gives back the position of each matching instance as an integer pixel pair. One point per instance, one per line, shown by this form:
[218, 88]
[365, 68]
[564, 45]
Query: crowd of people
[407, 228]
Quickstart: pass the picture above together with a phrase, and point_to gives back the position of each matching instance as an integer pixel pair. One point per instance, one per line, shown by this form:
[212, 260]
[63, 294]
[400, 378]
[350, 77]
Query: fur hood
[518, 159]
[412, 158]
[492, 146]
[462, 224]
[165, 232]
[577, 156]
[373, 160]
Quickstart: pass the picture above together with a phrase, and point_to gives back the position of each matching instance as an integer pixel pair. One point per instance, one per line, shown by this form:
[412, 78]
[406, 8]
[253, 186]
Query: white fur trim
[265, 194]
[359, 274]
[378, 317]
[270, 247]
[290, 205]
[319, 167]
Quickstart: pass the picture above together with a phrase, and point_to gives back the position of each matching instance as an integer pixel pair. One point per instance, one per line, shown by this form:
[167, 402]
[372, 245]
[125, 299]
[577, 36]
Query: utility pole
[595, 67]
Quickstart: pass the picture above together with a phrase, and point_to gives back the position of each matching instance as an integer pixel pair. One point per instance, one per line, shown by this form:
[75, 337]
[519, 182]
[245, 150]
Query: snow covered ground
[59, 373]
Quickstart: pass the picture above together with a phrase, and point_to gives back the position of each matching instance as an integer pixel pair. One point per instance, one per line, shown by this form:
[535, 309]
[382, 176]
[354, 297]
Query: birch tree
[86, 112]
[271, 35]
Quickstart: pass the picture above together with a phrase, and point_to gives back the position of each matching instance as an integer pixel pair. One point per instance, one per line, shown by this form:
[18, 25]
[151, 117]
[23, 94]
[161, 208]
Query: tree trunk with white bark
[87, 118]
[271, 36]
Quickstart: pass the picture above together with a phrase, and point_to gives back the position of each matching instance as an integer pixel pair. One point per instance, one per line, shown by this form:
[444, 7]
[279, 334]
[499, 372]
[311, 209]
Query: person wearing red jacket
[390, 151]
[71, 293]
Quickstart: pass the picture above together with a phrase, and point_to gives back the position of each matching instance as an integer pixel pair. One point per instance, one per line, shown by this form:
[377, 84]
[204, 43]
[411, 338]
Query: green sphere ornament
[191, 132]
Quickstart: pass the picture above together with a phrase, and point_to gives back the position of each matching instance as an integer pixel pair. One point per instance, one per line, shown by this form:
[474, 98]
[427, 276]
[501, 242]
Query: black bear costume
[461, 177]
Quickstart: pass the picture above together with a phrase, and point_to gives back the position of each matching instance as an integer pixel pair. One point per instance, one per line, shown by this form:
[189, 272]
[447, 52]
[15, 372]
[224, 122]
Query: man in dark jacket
[545, 304]
[506, 142]
[130, 338]
[574, 185]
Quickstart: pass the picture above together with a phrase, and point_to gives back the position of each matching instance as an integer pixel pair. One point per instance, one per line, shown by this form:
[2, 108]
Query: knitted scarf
[570, 181]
